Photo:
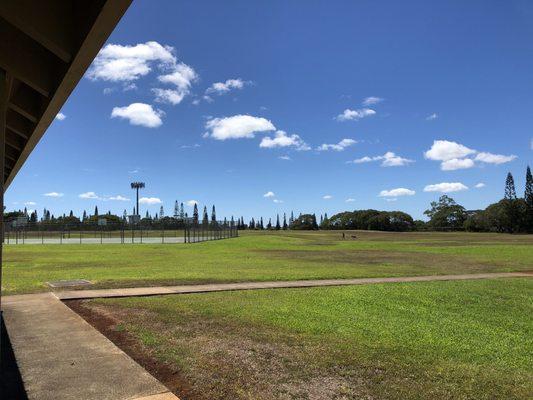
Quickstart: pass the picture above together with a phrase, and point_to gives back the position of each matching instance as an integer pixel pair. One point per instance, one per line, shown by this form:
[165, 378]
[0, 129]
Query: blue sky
[328, 106]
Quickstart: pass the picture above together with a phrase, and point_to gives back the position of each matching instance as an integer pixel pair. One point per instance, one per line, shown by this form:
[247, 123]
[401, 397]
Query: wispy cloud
[53, 194]
[327, 197]
[350, 200]
[269, 194]
[285, 158]
[354, 115]
[191, 203]
[446, 187]
[150, 200]
[431, 117]
[479, 185]
[281, 139]
[343, 144]
[389, 159]
[60, 116]
[221, 88]
[372, 100]
[397, 192]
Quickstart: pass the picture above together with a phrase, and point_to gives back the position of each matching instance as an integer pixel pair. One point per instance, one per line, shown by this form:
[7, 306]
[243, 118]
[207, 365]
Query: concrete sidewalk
[60, 356]
[218, 287]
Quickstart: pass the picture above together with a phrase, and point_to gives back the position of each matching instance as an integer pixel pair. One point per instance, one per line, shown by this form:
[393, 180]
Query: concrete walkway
[60, 356]
[218, 287]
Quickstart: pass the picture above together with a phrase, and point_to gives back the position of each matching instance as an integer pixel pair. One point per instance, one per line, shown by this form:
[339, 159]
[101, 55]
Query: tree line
[512, 214]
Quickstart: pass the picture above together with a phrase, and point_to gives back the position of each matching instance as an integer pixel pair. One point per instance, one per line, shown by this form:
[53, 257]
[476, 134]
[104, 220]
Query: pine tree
[96, 211]
[278, 226]
[251, 225]
[261, 225]
[205, 217]
[291, 219]
[147, 215]
[124, 215]
[321, 219]
[528, 194]
[176, 209]
[285, 222]
[315, 225]
[161, 213]
[213, 215]
[510, 191]
[182, 212]
[232, 221]
[269, 225]
[195, 214]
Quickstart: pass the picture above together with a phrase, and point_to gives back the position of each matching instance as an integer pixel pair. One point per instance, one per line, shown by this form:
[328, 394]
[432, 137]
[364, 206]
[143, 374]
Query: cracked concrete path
[60, 356]
[218, 287]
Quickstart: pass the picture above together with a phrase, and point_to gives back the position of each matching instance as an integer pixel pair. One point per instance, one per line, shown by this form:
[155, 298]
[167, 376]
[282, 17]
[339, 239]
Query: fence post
[163, 236]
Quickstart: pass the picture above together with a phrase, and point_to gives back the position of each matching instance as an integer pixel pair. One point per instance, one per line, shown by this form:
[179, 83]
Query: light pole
[137, 186]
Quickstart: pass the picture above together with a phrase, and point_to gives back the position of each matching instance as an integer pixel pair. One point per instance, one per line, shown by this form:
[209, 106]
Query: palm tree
[137, 186]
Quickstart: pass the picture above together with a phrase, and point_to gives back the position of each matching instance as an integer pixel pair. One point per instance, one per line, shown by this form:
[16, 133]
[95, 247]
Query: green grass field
[435, 340]
[259, 256]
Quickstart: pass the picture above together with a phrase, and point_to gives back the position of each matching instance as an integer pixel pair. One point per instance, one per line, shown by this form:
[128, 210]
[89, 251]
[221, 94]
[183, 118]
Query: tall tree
[315, 225]
[285, 222]
[278, 226]
[251, 225]
[213, 215]
[161, 212]
[205, 217]
[96, 211]
[176, 209]
[291, 219]
[182, 212]
[261, 224]
[510, 191]
[269, 225]
[84, 217]
[528, 193]
[124, 215]
[147, 215]
[195, 214]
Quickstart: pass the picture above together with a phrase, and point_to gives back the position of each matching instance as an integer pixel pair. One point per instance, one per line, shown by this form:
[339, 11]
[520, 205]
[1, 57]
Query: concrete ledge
[60, 356]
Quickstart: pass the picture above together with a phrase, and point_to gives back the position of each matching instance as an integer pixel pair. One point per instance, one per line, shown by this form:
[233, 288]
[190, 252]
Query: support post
[3, 107]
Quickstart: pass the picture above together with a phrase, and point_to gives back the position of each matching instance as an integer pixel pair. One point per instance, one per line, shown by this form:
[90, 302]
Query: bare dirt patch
[219, 363]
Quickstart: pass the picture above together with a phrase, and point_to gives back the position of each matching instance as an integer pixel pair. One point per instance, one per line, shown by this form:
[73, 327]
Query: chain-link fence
[21, 231]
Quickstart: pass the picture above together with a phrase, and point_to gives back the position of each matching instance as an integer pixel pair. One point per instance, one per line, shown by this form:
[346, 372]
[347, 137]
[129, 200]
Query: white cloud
[30, 203]
[118, 198]
[350, 200]
[88, 195]
[327, 197]
[286, 158]
[479, 185]
[269, 194]
[348, 114]
[53, 194]
[181, 78]
[139, 114]
[191, 203]
[456, 163]
[497, 159]
[277, 201]
[431, 117]
[446, 187]
[189, 146]
[127, 63]
[60, 116]
[237, 127]
[344, 143]
[389, 159]
[455, 156]
[444, 150]
[281, 139]
[224, 87]
[372, 100]
[397, 192]
[150, 200]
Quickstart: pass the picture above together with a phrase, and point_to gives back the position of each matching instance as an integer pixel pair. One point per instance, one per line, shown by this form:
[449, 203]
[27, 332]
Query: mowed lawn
[264, 256]
[431, 340]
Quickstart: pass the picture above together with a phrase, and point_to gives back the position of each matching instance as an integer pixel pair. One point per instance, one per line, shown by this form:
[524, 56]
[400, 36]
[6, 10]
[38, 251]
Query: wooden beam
[47, 22]
[18, 124]
[27, 102]
[14, 140]
[28, 61]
